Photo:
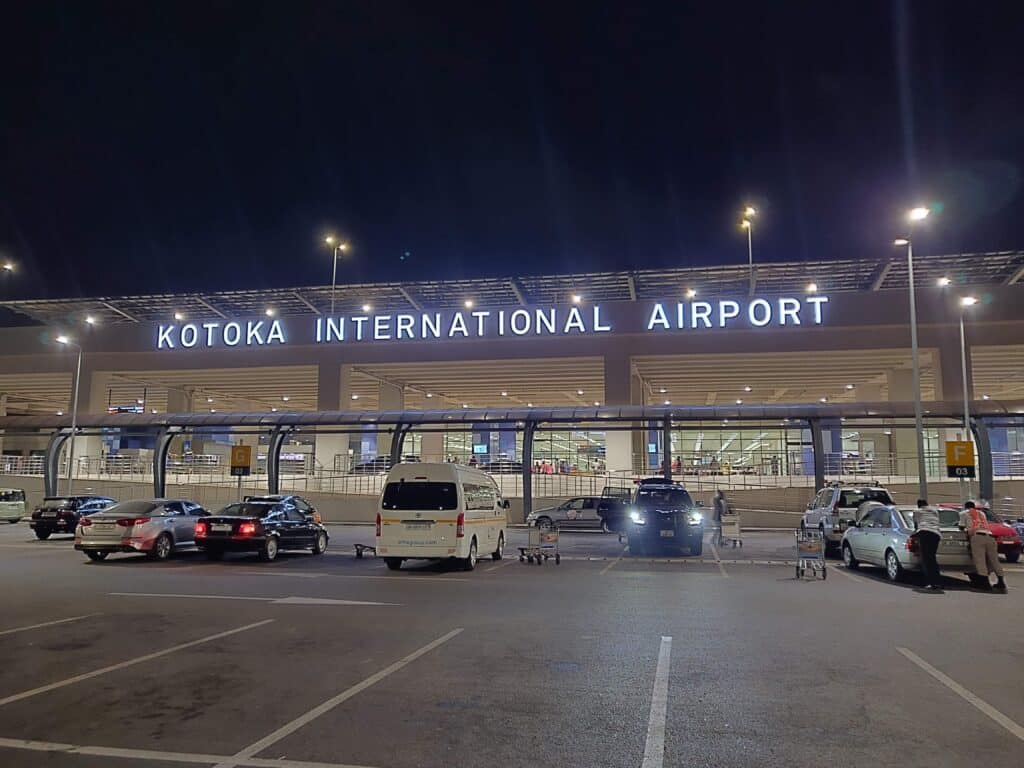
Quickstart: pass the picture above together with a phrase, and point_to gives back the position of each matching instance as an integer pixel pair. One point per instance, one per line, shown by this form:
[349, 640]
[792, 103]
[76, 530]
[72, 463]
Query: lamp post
[74, 409]
[332, 241]
[965, 302]
[748, 224]
[915, 215]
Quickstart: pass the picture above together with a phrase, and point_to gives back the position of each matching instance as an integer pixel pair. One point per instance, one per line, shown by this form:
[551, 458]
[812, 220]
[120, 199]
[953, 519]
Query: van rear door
[419, 513]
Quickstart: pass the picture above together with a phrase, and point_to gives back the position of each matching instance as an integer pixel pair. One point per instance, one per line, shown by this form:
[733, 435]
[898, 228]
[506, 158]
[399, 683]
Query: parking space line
[980, 704]
[503, 564]
[194, 758]
[46, 624]
[654, 748]
[289, 728]
[614, 562]
[129, 663]
[842, 570]
[718, 560]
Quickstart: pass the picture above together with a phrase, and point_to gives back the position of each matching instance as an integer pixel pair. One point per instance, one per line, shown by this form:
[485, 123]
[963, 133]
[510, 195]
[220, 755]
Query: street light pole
[338, 248]
[74, 410]
[748, 224]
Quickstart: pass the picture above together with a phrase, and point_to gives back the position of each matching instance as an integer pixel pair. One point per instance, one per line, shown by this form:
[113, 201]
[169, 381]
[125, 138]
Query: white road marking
[983, 706]
[161, 756]
[718, 560]
[46, 624]
[654, 749]
[131, 662]
[614, 562]
[272, 600]
[499, 565]
[287, 729]
[842, 570]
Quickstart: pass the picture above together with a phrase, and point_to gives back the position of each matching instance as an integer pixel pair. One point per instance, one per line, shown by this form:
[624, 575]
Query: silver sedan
[882, 536]
[156, 527]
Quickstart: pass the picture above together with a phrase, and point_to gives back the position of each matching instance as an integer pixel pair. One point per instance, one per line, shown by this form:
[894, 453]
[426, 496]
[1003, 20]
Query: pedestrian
[926, 525]
[983, 545]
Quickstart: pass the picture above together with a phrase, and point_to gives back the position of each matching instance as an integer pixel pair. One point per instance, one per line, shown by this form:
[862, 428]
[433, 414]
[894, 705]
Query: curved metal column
[401, 430]
[986, 481]
[528, 468]
[818, 446]
[666, 447]
[160, 450]
[51, 465]
[277, 437]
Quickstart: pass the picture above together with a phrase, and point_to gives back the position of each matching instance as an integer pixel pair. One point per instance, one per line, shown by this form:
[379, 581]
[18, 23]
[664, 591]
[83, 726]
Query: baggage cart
[542, 545]
[730, 530]
[810, 553]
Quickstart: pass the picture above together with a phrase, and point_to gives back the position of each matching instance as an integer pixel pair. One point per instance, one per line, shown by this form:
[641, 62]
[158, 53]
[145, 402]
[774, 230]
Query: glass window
[478, 496]
[249, 509]
[425, 496]
[12, 495]
[133, 508]
[294, 515]
[301, 504]
[576, 504]
[669, 497]
[856, 498]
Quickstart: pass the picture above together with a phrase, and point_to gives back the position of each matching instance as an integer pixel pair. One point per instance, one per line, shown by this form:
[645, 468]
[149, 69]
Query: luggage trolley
[810, 553]
[543, 544]
[730, 530]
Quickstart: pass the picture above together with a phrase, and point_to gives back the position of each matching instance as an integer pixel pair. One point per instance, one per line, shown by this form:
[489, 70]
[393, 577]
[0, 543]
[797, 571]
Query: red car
[1008, 542]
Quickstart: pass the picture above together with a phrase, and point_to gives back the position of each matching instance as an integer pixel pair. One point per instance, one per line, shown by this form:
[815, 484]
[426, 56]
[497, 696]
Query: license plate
[417, 526]
[49, 514]
[103, 526]
[667, 534]
[221, 527]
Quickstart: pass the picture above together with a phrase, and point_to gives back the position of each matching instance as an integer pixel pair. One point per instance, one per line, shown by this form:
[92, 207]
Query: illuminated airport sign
[535, 322]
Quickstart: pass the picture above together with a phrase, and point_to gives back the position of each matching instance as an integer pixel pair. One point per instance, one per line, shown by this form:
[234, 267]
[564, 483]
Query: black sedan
[60, 514]
[264, 527]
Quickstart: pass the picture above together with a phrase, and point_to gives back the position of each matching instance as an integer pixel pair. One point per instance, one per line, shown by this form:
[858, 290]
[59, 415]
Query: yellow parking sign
[959, 458]
[241, 459]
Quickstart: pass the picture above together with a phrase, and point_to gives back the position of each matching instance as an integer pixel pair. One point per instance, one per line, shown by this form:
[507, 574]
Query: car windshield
[58, 504]
[130, 508]
[249, 509]
[423, 496]
[858, 497]
[669, 497]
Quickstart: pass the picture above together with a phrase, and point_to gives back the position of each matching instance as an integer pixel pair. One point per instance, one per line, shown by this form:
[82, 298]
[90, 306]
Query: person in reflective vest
[983, 545]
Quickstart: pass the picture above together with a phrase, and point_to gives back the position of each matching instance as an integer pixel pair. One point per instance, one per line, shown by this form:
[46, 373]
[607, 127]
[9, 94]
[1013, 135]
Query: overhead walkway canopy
[164, 427]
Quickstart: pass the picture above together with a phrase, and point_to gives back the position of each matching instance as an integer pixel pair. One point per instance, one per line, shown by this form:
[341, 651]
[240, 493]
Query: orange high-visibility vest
[976, 522]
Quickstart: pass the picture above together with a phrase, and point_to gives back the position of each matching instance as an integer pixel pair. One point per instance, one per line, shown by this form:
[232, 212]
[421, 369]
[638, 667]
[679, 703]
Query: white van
[440, 511]
[12, 504]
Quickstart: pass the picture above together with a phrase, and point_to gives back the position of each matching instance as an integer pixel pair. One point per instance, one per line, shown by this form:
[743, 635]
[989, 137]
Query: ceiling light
[576, 298]
[968, 301]
[468, 303]
[153, 410]
[367, 308]
[823, 400]
[504, 393]
[943, 282]
[901, 241]
[209, 399]
[691, 292]
[179, 316]
[90, 319]
[668, 402]
[8, 266]
[213, 410]
[739, 402]
[428, 394]
[849, 386]
[269, 311]
[139, 401]
[285, 398]
[273, 410]
[986, 397]
[597, 402]
[60, 413]
[663, 390]
[529, 405]
[812, 288]
[63, 339]
[888, 432]
[747, 389]
[465, 406]
[579, 391]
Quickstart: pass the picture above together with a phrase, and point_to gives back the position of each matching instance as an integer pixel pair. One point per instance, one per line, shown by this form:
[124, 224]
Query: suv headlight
[696, 518]
[636, 517]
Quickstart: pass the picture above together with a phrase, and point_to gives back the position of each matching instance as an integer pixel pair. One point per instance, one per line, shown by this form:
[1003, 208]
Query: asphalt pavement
[604, 660]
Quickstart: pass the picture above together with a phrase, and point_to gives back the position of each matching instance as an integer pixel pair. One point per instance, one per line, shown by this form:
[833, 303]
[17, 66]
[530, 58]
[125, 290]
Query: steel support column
[986, 483]
[401, 430]
[666, 447]
[818, 448]
[51, 465]
[160, 449]
[277, 437]
[528, 431]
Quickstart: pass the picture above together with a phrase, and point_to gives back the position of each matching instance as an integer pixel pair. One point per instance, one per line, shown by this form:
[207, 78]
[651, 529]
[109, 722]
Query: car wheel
[848, 559]
[500, 551]
[214, 554]
[826, 545]
[1012, 557]
[268, 552]
[697, 547]
[543, 522]
[320, 543]
[893, 569]
[92, 554]
[393, 563]
[469, 563]
[44, 533]
[162, 547]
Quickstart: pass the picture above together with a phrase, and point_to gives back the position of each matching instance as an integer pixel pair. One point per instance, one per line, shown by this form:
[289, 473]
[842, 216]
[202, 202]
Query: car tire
[1012, 557]
[95, 556]
[500, 551]
[44, 533]
[268, 552]
[542, 522]
[893, 567]
[697, 547]
[214, 554]
[320, 543]
[393, 563]
[469, 563]
[849, 560]
[162, 547]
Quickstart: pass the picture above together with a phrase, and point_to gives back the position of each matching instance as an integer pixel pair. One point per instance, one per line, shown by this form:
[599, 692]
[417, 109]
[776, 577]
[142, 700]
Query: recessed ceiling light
[269, 311]
[579, 391]
[739, 402]
[355, 397]
[285, 398]
[504, 393]
[529, 405]
[213, 410]
[367, 308]
[748, 389]
[597, 402]
[576, 298]
[663, 390]
[139, 401]
[668, 402]
[943, 282]
[90, 319]
[823, 400]
[812, 288]
[464, 405]
[60, 413]
[849, 386]
[179, 316]
[985, 397]
[429, 394]
[468, 303]
[691, 292]
[153, 411]
[209, 399]
[273, 410]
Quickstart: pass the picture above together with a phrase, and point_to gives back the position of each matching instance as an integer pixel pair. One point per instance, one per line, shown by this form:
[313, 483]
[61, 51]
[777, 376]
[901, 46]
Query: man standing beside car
[983, 545]
[926, 523]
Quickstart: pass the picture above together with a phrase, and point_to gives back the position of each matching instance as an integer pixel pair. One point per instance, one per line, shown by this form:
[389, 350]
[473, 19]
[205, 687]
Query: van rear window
[423, 496]
[12, 495]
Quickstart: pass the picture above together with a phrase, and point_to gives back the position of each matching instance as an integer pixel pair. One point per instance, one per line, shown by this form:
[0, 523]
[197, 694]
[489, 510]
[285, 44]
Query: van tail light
[378, 523]
[200, 529]
[128, 522]
[85, 522]
[913, 545]
[460, 526]
[246, 529]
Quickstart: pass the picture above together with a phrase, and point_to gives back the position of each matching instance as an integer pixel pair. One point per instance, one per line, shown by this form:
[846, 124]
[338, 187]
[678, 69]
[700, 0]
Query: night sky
[151, 147]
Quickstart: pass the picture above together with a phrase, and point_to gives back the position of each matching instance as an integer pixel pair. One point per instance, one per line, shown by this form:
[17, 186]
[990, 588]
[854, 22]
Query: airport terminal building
[723, 369]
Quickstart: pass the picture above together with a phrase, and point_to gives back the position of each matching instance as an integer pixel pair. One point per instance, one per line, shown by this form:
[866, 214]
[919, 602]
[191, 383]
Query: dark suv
[60, 514]
[662, 515]
[307, 509]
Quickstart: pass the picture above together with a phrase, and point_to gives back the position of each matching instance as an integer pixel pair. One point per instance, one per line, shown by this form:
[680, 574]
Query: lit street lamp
[74, 409]
[748, 224]
[332, 241]
[965, 303]
[915, 215]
